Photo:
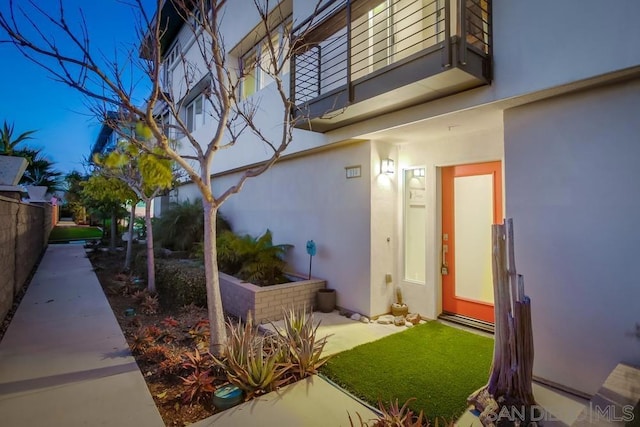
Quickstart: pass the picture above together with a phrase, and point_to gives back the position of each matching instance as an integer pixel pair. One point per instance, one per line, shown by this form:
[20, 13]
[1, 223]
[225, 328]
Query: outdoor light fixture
[386, 166]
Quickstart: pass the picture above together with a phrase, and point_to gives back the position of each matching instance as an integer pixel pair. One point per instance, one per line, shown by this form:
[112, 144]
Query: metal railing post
[447, 33]
[319, 70]
[462, 31]
[349, 85]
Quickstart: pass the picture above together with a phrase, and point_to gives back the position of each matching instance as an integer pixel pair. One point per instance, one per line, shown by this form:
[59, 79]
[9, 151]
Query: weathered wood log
[511, 375]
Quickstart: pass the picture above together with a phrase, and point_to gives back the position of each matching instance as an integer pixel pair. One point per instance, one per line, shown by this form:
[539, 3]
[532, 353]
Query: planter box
[267, 302]
[37, 193]
[11, 170]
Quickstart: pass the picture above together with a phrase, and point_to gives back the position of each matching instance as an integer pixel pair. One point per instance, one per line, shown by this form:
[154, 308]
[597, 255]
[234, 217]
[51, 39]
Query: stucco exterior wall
[384, 237]
[546, 43]
[571, 166]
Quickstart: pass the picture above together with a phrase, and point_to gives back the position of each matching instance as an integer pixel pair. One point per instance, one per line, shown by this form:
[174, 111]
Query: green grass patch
[434, 363]
[75, 233]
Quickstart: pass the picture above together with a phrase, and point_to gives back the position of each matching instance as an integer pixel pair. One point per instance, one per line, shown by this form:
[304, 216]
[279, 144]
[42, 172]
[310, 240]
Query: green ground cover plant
[75, 233]
[438, 365]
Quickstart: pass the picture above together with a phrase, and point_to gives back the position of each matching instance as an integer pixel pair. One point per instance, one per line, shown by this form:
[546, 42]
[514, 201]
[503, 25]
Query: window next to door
[415, 222]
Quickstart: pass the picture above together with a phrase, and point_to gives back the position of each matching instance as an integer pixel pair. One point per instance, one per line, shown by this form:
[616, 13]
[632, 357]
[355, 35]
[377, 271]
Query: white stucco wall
[384, 237]
[309, 198]
[546, 43]
[469, 147]
[572, 187]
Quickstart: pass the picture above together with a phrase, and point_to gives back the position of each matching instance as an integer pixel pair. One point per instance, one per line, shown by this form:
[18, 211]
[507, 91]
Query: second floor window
[170, 60]
[256, 64]
[194, 114]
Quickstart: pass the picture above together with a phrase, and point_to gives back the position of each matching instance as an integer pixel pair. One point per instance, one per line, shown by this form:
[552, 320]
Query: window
[170, 59]
[415, 222]
[165, 122]
[256, 65]
[194, 114]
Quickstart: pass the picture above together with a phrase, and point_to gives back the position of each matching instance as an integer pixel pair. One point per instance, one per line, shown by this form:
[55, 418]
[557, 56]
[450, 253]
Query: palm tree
[7, 144]
[39, 170]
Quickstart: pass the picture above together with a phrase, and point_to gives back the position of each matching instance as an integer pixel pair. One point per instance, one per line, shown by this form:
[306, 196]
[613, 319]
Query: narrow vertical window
[250, 72]
[415, 223]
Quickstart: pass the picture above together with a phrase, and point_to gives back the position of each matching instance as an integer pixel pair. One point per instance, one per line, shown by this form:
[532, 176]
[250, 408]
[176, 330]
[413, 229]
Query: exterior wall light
[386, 166]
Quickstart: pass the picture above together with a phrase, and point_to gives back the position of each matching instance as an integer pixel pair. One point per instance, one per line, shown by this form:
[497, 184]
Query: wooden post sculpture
[509, 390]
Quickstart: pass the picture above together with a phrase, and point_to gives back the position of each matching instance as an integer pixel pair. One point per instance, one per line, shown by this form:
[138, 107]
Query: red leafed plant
[197, 385]
[200, 382]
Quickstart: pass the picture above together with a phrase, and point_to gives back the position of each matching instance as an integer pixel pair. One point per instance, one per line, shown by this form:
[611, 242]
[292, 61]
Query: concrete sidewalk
[64, 360]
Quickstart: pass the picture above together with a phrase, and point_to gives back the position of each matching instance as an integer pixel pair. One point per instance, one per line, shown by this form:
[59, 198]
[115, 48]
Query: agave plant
[399, 416]
[300, 335]
[252, 362]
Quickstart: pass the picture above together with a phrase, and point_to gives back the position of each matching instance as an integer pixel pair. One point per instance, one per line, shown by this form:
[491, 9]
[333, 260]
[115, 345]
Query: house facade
[428, 120]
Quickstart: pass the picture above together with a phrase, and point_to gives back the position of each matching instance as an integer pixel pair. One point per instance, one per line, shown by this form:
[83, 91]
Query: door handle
[444, 270]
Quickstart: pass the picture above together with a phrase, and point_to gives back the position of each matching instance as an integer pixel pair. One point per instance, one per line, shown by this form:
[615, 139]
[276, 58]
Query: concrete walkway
[64, 360]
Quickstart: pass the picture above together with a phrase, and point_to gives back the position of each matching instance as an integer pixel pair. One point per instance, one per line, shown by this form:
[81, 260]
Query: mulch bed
[173, 329]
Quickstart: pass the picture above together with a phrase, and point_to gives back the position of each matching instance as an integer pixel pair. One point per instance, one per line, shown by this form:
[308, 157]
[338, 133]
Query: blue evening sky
[32, 100]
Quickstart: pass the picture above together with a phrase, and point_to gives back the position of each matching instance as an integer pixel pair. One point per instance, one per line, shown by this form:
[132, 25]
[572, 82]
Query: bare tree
[214, 74]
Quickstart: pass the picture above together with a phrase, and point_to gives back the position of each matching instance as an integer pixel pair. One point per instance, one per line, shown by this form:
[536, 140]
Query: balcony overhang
[455, 63]
[412, 82]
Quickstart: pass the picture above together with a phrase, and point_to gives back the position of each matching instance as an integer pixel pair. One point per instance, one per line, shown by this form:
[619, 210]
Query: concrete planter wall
[11, 170]
[37, 193]
[266, 302]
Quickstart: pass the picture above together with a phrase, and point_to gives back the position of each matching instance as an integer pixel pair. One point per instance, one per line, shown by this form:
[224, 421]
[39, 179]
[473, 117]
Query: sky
[31, 100]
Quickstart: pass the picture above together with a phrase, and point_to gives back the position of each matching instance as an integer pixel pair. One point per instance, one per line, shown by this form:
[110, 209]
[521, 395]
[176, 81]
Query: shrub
[200, 334]
[199, 383]
[182, 226]
[256, 260]
[180, 282]
[140, 340]
[149, 304]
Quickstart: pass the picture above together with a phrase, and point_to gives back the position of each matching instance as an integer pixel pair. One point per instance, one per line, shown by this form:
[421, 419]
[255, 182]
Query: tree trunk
[214, 299]
[510, 380]
[151, 263]
[128, 256]
[114, 230]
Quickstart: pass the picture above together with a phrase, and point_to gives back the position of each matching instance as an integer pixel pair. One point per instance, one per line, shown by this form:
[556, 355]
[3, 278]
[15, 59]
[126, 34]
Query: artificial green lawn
[437, 364]
[74, 233]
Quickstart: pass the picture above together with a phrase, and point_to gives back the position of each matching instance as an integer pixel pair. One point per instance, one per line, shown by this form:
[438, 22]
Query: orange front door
[471, 202]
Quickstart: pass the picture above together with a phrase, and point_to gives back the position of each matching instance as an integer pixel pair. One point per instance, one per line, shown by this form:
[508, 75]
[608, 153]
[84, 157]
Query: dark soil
[172, 333]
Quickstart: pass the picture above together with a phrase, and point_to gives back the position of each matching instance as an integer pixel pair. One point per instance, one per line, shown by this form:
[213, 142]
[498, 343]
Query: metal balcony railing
[351, 40]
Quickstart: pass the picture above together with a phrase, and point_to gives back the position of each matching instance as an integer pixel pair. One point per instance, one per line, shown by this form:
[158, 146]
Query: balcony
[357, 59]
